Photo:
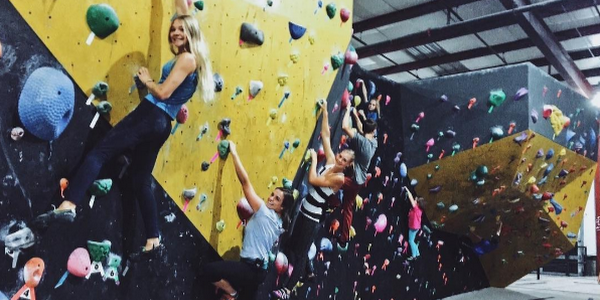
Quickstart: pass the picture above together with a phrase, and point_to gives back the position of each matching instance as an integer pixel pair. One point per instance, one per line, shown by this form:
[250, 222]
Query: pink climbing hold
[429, 144]
[344, 14]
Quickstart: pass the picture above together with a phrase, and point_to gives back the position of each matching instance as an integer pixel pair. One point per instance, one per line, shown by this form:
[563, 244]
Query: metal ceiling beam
[488, 22]
[541, 35]
[407, 13]
[575, 55]
[588, 73]
[484, 51]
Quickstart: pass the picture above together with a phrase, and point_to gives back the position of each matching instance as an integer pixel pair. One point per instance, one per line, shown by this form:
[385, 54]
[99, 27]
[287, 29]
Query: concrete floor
[548, 287]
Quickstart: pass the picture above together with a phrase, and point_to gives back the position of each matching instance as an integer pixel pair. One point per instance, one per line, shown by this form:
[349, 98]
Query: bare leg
[66, 204]
[225, 286]
[152, 243]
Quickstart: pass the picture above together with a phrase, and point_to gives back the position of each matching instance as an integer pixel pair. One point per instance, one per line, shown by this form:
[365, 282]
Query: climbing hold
[238, 90]
[429, 144]
[295, 145]
[251, 34]
[282, 80]
[17, 133]
[520, 93]
[557, 207]
[414, 128]
[224, 126]
[46, 103]
[534, 116]
[449, 134]
[337, 60]
[79, 262]
[99, 188]
[286, 183]
[199, 5]
[223, 148]
[331, 10]
[244, 211]
[497, 97]
[311, 38]
[104, 107]
[296, 31]
[99, 90]
[255, 88]
[413, 182]
[294, 57]
[420, 116]
[443, 98]
[182, 116]
[344, 14]
[205, 165]
[472, 102]
[520, 138]
[435, 189]
[351, 57]
[219, 83]
[188, 195]
[281, 264]
[550, 153]
[497, 133]
[102, 20]
[453, 208]
[220, 226]
[380, 224]
[325, 245]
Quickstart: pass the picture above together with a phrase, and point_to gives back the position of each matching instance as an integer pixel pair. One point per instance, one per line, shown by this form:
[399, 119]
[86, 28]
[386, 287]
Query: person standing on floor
[414, 222]
[147, 127]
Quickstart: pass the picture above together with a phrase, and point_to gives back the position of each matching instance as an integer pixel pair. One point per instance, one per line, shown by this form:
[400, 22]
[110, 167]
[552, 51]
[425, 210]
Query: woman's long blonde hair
[198, 47]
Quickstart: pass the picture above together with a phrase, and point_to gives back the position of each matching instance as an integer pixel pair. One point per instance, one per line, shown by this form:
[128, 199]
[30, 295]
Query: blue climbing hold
[296, 31]
[46, 103]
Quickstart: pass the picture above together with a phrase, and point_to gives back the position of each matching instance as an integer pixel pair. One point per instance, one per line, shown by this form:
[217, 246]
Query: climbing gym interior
[504, 157]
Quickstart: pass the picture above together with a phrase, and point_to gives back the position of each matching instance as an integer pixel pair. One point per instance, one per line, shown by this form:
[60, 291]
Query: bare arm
[181, 7]
[359, 125]
[185, 65]
[326, 135]
[346, 122]
[413, 203]
[253, 199]
[333, 181]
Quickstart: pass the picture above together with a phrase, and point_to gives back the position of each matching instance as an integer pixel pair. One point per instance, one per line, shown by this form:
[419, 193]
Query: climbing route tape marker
[90, 38]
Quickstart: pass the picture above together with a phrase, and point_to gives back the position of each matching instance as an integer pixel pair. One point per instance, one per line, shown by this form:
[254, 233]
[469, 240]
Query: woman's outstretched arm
[253, 199]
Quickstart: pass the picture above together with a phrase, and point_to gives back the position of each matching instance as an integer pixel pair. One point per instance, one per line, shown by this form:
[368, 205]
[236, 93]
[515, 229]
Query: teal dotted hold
[102, 20]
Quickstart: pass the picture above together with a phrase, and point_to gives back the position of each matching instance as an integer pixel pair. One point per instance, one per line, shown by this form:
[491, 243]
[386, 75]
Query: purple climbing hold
[456, 108]
[450, 134]
[563, 173]
[520, 93]
[534, 116]
[521, 138]
[435, 189]
[444, 98]
[539, 153]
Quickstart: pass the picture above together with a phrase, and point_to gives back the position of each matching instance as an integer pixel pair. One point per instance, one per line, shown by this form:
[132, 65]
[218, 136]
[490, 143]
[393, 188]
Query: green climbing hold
[437, 167]
[101, 187]
[287, 183]
[102, 20]
[270, 2]
[497, 97]
[104, 107]
[296, 143]
[100, 89]
[99, 250]
[429, 176]
[350, 87]
[199, 5]
[440, 205]
[331, 10]
[482, 171]
[223, 148]
[337, 60]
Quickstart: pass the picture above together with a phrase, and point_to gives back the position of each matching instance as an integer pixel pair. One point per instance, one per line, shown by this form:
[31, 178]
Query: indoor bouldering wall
[375, 264]
[269, 94]
[508, 145]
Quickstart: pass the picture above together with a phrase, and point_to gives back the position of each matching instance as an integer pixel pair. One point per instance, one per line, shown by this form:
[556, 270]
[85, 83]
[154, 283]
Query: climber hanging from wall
[363, 142]
[268, 222]
[322, 185]
[147, 127]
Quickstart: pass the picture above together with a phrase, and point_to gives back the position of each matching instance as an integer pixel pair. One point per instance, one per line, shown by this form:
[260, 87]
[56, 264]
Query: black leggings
[302, 237]
[145, 130]
[241, 276]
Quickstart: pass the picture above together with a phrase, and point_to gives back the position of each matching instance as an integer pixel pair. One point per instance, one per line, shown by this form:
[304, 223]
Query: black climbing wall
[444, 268]
[30, 170]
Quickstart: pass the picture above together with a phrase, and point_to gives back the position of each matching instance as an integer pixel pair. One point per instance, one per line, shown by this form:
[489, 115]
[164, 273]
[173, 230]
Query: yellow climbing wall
[532, 232]
[141, 40]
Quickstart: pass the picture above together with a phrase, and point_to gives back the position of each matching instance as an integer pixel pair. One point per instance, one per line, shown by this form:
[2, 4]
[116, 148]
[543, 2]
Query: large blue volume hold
[46, 103]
